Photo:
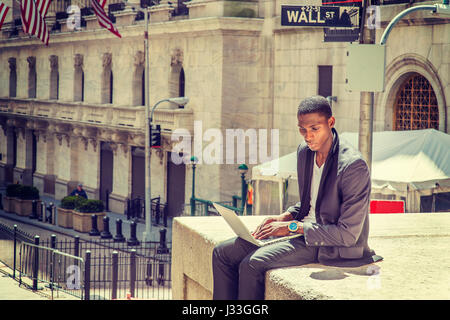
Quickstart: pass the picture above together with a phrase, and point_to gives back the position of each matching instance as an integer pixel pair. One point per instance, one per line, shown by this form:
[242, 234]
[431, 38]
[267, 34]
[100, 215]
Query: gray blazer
[342, 208]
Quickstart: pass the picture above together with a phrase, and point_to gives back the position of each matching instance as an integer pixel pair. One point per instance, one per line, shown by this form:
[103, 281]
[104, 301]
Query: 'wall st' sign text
[320, 16]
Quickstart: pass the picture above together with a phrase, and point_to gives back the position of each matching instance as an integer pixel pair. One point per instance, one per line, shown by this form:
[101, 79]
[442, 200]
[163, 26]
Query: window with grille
[416, 105]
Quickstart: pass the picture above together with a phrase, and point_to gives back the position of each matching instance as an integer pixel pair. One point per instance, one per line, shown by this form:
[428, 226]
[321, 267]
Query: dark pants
[239, 267]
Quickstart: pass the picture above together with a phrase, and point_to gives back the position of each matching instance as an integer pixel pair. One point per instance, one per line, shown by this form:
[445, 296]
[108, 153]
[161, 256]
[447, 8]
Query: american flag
[102, 18]
[33, 14]
[3, 12]
[42, 6]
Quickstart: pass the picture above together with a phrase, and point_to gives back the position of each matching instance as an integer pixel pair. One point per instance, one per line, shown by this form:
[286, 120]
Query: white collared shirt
[315, 182]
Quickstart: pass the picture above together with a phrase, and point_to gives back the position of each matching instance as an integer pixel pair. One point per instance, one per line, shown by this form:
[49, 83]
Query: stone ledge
[414, 247]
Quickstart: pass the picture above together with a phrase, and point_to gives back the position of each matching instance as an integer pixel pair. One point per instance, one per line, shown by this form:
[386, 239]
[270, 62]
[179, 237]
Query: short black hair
[315, 104]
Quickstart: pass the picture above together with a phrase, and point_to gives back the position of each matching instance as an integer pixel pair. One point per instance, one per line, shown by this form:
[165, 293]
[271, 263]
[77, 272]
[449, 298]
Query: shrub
[91, 206]
[71, 202]
[28, 193]
[12, 190]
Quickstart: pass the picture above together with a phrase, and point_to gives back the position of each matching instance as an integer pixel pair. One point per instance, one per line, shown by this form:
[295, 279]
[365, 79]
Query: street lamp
[194, 161]
[243, 169]
[180, 101]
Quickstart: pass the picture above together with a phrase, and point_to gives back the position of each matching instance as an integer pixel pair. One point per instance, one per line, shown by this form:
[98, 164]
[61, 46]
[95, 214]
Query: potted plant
[82, 220]
[10, 197]
[66, 208]
[24, 203]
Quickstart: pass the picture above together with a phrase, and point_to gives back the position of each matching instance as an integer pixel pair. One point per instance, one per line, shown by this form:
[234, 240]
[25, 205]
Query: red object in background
[387, 206]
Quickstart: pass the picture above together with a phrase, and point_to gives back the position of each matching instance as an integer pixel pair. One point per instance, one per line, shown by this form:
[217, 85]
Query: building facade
[74, 111]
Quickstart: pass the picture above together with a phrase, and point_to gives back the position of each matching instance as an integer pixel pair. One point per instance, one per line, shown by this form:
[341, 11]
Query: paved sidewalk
[11, 290]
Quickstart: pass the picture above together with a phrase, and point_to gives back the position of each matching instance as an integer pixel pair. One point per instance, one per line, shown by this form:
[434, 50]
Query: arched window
[78, 81]
[181, 84]
[54, 77]
[416, 105]
[139, 86]
[107, 80]
[139, 79]
[12, 77]
[32, 77]
[177, 76]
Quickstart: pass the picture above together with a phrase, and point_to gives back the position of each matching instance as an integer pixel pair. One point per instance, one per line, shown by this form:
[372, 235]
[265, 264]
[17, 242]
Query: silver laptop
[241, 230]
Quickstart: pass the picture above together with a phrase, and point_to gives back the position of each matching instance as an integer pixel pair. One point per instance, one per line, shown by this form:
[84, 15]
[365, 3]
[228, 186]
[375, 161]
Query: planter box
[23, 207]
[82, 222]
[65, 218]
[9, 204]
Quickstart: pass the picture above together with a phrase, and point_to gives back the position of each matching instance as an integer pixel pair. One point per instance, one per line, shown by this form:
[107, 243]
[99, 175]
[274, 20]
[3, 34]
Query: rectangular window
[325, 81]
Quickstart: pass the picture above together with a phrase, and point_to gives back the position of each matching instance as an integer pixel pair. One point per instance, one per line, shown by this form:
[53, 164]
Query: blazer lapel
[331, 159]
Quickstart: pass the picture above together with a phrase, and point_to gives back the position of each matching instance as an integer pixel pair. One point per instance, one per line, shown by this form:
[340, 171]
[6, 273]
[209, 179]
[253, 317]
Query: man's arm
[354, 208]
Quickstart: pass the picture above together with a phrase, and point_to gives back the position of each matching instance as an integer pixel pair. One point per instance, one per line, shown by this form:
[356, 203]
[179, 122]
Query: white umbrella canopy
[408, 156]
[397, 156]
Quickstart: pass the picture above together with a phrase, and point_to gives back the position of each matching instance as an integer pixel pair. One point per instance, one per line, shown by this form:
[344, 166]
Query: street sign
[320, 16]
[340, 34]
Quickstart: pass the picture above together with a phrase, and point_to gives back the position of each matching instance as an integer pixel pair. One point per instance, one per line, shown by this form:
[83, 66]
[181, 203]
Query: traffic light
[155, 136]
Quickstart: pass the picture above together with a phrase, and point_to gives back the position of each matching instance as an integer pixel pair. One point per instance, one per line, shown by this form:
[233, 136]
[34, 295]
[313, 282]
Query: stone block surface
[415, 266]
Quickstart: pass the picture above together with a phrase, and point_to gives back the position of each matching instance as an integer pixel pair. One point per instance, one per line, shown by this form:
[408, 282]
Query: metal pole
[366, 101]
[87, 275]
[132, 272]
[148, 122]
[15, 251]
[397, 18]
[148, 217]
[193, 191]
[115, 271]
[36, 263]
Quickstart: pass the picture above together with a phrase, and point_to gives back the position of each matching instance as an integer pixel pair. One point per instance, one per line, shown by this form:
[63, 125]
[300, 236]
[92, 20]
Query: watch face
[293, 226]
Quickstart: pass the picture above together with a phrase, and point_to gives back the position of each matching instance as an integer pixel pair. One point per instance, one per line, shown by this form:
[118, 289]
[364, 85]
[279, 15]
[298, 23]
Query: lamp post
[180, 101]
[194, 161]
[243, 170]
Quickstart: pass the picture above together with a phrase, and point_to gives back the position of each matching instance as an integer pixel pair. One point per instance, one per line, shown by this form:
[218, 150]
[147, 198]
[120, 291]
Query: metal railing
[57, 270]
[205, 207]
[108, 269]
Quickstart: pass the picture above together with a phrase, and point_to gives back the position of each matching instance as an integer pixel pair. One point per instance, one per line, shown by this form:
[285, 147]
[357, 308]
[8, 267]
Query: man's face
[316, 129]
[79, 188]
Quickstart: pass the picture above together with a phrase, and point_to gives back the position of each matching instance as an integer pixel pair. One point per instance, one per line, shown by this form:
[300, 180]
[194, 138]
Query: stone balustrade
[98, 114]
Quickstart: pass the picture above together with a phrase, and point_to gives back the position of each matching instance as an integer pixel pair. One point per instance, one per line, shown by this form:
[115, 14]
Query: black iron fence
[89, 269]
[136, 210]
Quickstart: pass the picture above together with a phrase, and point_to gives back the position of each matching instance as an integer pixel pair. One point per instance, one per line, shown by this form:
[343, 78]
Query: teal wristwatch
[293, 227]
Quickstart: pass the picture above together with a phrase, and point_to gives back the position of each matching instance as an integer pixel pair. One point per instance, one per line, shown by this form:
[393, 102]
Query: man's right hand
[265, 221]
[282, 217]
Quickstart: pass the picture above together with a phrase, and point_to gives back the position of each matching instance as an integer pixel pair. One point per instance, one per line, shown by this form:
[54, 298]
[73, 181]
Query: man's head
[315, 121]
[80, 186]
